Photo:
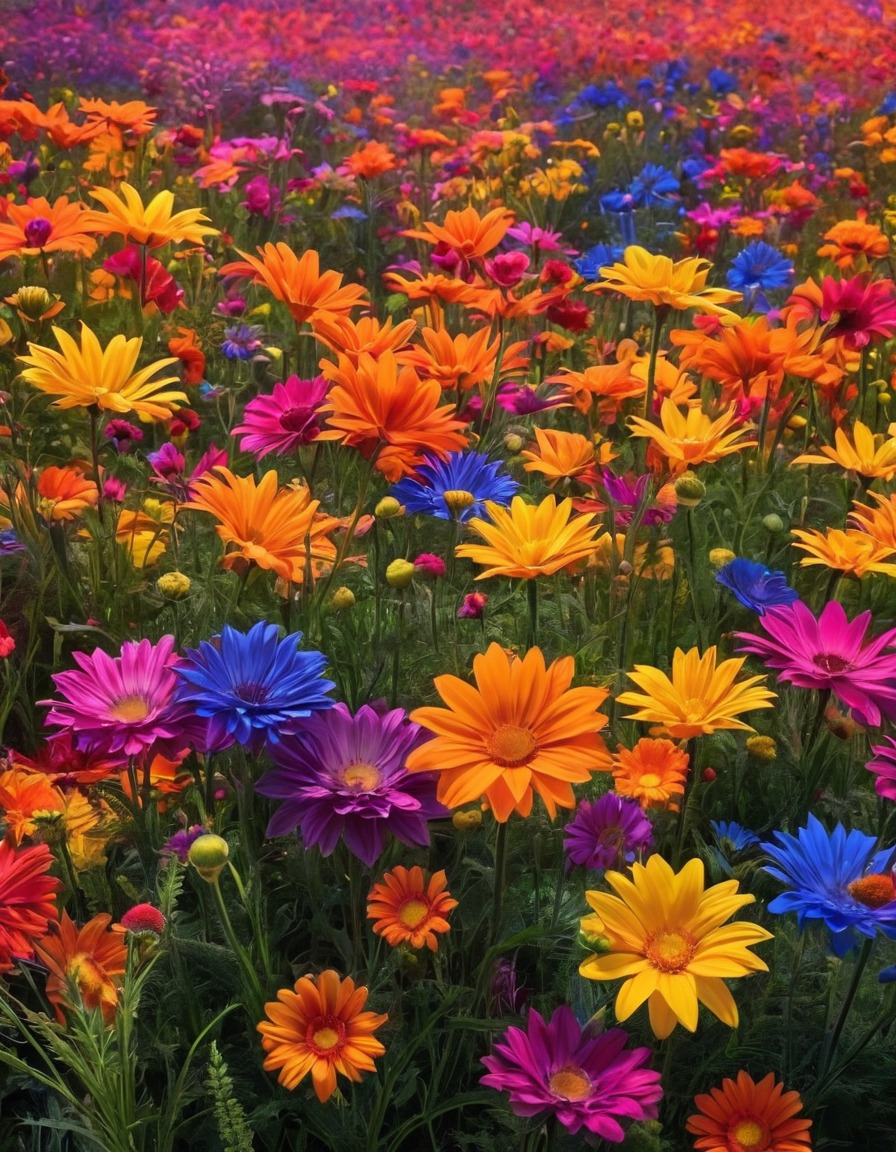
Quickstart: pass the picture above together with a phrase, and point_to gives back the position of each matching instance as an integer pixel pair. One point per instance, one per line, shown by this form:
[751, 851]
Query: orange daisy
[521, 730]
[370, 161]
[691, 437]
[463, 361]
[39, 226]
[64, 493]
[851, 552]
[91, 959]
[854, 243]
[607, 384]
[350, 338]
[652, 772]
[470, 235]
[319, 1028]
[743, 1116]
[879, 523]
[561, 456]
[298, 282]
[406, 908]
[133, 116]
[868, 455]
[21, 795]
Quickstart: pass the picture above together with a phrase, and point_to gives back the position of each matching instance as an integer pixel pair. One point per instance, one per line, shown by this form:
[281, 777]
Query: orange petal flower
[561, 456]
[691, 437]
[298, 282]
[521, 730]
[132, 116]
[90, 961]
[868, 455]
[21, 795]
[851, 552]
[408, 908]
[39, 226]
[653, 772]
[64, 493]
[352, 337]
[743, 1116]
[470, 235]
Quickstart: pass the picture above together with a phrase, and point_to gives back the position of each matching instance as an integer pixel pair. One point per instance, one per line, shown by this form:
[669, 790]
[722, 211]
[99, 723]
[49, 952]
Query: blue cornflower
[836, 877]
[241, 341]
[599, 256]
[653, 185]
[462, 475]
[733, 836]
[603, 95]
[757, 269]
[722, 82]
[10, 543]
[756, 586]
[253, 686]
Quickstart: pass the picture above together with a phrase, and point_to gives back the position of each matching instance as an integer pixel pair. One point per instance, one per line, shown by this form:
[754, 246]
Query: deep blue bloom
[757, 269]
[469, 472]
[241, 342]
[603, 95]
[722, 82]
[756, 586]
[728, 832]
[252, 686]
[653, 185]
[821, 869]
[600, 256]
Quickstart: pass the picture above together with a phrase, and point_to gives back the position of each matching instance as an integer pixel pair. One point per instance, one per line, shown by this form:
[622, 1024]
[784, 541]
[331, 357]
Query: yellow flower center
[694, 709]
[511, 746]
[873, 891]
[324, 1034]
[570, 1084]
[649, 780]
[130, 709]
[670, 950]
[89, 977]
[361, 776]
[748, 1135]
[413, 912]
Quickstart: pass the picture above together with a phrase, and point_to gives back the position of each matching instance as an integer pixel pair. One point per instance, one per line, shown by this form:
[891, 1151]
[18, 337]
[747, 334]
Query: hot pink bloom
[428, 564]
[284, 420]
[862, 312]
[884, 768]
[473, 606]
[830, 654]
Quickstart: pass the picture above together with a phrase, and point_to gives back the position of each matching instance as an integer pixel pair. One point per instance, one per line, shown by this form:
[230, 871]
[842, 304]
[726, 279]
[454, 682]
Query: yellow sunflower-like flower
[867, 455]
[656, 280]
[669, 941]
[851, 552]
[691, 437]
[153, 224]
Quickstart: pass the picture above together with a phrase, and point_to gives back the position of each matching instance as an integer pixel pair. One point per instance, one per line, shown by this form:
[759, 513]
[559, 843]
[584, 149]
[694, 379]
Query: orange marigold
[409, 908]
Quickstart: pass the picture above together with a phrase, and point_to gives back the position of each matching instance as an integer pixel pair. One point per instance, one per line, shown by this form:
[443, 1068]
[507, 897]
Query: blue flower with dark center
[756, 586]
[252, 687]
[456, 488]
[757, 269]
[653, 185]
[836, 877]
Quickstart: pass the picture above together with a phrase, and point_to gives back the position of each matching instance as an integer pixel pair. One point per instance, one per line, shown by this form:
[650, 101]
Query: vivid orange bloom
[64, 493]
[739, 357]
[92, 959]
[656, 280]
[879, 523]
[463, 361]
[298, 282]
[868, 455]
[450, 289]
[372, 160]
[132, 116]
[21, 795]
[153, 224]
[653, 773]
[63, 131]
[39, 226]
[470, 235]
[521, 730]
[529, 540]
[186, 347]
[690, 437]
[385, 409]
[746, 1116]
[319, 1028]
[350, 338]
[561, 456]
[264, 524]
[608, 384]
[744, 162]
[853, 244]
[852, 552]
[408, 908]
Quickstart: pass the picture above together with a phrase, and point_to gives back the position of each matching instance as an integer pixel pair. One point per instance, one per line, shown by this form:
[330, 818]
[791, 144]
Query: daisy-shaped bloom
[350, 338]
[757, 269]
[92, 959]
[252, 686]
[883, 765]
[119, 704]
[854, 244]
[64, 493]
[699, 698]
[285, 420]
[22, 794]
[868, 455]
[830, 653]
[408, 908]
[561, 456]
[531, 539]
[64, 764]
[656, 280]
[557, 1068]
[89, 375]
[691, 437]
[133, 116]
[851, 552]
[319, 1027]
[654, 772]
[667, 937]
[757, 587]
[461, 362]
[743, 1116]
[38, 226]
[153, 224]
[878, 523]
[343, 776]
[467, 233]
[858, 311]
[732, 837]
[457, 487]
[607, 833]
[298, 282]
[521, 730]
[27, 900]
[837, 877]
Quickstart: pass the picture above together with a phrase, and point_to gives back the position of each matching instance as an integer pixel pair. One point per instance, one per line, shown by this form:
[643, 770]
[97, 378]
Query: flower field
[447, 577]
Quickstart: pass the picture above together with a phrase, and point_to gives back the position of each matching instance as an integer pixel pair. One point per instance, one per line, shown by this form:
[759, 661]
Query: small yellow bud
[32, 302]
[467, 821]
[343, 598]
[457, 500]
[689, 489]
[762, 747]
[208, 855]
[173, 585]
[387, 508]
[400, 573]
[797, 423]
[719, 557]
[513, 442]
[635, 121]
[884, 398]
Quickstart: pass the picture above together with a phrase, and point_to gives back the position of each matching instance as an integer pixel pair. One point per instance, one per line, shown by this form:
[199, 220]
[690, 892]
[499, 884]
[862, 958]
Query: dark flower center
[831, 662]
[295, 419]
[252, 693]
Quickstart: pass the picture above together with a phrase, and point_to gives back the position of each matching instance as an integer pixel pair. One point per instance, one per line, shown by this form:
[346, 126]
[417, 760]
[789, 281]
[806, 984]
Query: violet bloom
[590, 1082]
[242, 342]
[830, 654]
[180, 843]
[123, 435]
[167, 463]
[607, 833]
[285, 420]
[343, 777]
[627, 493]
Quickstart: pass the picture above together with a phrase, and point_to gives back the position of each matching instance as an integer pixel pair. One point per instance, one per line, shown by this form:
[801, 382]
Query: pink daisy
[286, 419]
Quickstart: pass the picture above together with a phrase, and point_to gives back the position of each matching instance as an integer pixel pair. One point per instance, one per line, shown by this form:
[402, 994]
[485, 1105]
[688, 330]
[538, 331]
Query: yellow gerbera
[656, 280]
[90, 375]
[667, 932]
[700, 698]
[852, 552]
[691, 437]
[864, 456]
[152, 224]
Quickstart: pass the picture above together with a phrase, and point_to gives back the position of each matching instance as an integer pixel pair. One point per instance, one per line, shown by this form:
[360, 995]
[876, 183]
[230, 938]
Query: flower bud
[387, 508]
[773, 522]
[762, 747]
[343, 598]
[173, 585]
[708, 775]
[37, 232]
[513, 442]
[32, 302]
[884, 398]
[208, 855]
[467, 821]
[427, 564]
[689, 489]
[597, 944]
[458, 501]
[400, 573]
[719, 557]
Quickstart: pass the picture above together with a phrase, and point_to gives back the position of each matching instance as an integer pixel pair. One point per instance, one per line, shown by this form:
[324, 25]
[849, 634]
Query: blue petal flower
[469, 472]
[757, 269]
[728, 832]
[756, 586]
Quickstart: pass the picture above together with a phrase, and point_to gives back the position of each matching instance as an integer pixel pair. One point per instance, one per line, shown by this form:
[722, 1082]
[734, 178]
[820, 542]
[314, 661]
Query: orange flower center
[570, 1084]
[873, 891]
[413, 912]
[670, 950]
[130, 709]
[325, 1033]
[748, 1135]
[511, 746]
[361, 776]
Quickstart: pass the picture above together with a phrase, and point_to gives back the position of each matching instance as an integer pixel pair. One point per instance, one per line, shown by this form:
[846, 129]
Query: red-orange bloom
[653, 772]
[64, 493]
[743, 1116]
[470, 235]
[21, 795]
[185, 346]
[87, 963]
[27, 901]
[406, 908]
[298, 282]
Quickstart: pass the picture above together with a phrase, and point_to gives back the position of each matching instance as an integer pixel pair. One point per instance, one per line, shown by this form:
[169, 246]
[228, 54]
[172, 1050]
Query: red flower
[7, 644]
[27, 901]
[144, 918]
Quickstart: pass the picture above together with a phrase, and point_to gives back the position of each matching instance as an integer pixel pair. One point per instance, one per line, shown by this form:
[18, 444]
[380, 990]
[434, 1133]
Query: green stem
[532, 600]
[500, 878]
[659, 323]
[833, 1038]
[256, 1009]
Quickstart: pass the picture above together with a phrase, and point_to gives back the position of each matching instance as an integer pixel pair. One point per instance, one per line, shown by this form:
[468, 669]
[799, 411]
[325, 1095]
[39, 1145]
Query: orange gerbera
[90, 960]
[851, 552]
[39, 226]
[463, 361]
[186, 347]
[350, 338]
[739, 357]
[406, 908]
[608, 384]
[298, 281]
[743, 1116]
[152, 224]
[521, 730]
[879, 523]
[21, 795]
[275, 528]
[470, 235]
[868, 455]
[372, 160]
[380, 407]
[852, 244]
[561, 455]
[63, 131]
[656, 280]
[700, 697]
[320, 1028]
[133, 116]
[530, 540]
[691, 437]
[64, 493]
[652, 772]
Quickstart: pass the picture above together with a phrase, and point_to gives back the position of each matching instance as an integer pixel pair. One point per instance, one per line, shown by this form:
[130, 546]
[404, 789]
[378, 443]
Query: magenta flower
[585, 1081]
[830, 654]
[343, 776]
[861, 312]
[608, 833]
[285, 420]
[884, 768]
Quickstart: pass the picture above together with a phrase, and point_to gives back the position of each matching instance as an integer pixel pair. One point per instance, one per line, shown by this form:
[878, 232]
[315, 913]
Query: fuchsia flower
[861, 311]
[884, 768]
[830, 654]
[285, 420]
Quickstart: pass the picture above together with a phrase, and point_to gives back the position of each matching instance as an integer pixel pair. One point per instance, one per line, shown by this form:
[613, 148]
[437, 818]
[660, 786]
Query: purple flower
[38, 231]
[179, 844]
[343, 776]
[123, 435]
[607, 833]
[556, 1067]
[242, 342]
[627, 492]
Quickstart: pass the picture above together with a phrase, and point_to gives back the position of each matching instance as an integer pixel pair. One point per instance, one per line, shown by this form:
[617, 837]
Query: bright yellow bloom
[851, 552]
[91, 375]
[152, 224]
[864, 456]
[667, 933]
[691, 437]
[699, 698]
[529, 540]
[656, 280]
